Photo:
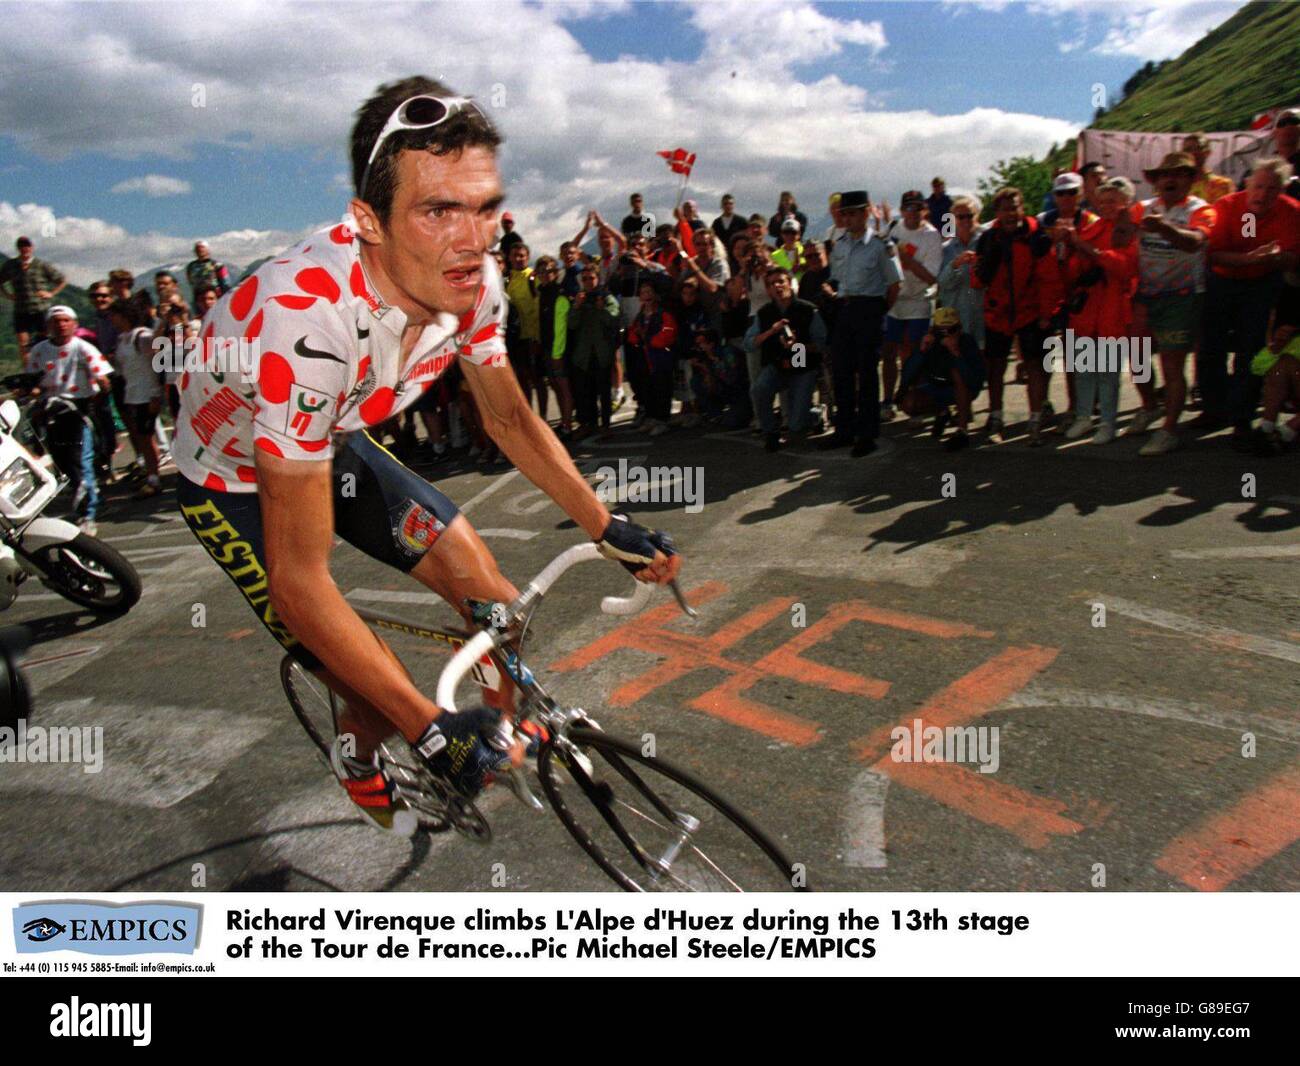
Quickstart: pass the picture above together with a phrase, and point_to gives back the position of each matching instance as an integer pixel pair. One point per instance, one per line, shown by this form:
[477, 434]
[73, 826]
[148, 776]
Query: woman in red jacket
[652, 338]
[1102, 277]
[1008, 257]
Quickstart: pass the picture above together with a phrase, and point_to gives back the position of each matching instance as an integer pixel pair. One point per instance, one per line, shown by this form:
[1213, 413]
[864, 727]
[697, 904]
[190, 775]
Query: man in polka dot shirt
[74, 370]
[335, 336]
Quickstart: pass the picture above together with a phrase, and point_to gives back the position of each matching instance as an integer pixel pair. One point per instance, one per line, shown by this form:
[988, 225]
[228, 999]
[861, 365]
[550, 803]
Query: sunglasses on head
[418, 113]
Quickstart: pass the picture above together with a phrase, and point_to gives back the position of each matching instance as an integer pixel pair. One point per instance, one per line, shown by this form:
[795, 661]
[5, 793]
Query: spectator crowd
[752, 323]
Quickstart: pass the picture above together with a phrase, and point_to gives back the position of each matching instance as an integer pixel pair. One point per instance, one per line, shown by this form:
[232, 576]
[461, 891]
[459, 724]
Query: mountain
[1243, 66]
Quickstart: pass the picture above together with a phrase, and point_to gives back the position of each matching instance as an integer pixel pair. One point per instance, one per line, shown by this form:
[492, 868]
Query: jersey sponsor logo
[301, 411]
[417, 529]
[302, 348]
[432, 366]
[217, 412]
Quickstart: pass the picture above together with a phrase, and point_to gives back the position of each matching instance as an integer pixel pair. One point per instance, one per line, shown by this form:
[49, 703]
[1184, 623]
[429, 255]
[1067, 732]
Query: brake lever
[502, 739]
[687, 609]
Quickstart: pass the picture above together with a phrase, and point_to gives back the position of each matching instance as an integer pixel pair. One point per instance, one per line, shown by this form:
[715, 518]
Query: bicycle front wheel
[652, 826]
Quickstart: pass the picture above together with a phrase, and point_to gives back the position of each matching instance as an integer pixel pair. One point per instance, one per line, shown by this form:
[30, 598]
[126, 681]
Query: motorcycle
[77, 565]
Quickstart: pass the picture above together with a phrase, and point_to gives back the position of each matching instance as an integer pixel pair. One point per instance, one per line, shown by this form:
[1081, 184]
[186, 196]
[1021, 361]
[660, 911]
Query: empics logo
[74, 1018]
[107, 928]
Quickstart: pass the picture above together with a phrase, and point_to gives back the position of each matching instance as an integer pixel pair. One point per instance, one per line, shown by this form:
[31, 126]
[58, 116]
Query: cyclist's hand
[647, 554]
[454, 747]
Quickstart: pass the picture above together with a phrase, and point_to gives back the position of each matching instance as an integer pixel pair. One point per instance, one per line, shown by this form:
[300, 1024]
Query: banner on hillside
[1231, 153]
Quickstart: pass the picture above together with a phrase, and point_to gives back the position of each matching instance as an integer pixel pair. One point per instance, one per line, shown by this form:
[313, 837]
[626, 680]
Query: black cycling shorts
[380, 507]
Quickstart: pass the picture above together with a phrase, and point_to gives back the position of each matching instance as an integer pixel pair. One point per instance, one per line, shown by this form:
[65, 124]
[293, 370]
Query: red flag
[1264, 120]
[679, 160]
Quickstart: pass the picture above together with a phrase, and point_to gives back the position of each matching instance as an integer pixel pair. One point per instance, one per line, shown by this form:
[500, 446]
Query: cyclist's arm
[298, 526]
[531, 445]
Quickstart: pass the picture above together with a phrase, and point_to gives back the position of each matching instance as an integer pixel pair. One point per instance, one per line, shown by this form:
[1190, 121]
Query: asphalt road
[1159, 751]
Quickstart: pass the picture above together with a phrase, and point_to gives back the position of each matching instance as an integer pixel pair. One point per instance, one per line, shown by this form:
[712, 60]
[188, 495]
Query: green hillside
[1244, 66]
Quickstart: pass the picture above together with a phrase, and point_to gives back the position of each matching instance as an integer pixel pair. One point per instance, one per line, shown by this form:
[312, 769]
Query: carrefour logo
[145, 928]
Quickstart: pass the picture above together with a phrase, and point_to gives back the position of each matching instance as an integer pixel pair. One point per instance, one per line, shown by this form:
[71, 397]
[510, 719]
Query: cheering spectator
[73, 370]
[203, 270]
[634, 267]
[1093, 174]
[735, 324]
[920, 254]
[836, 229]
[866, 278]
[525, 352]
[1279, 367]
[1207, 186]
[29, 284]
[729, 225]
[637, 220]
[946, 371]
[553, 338]
[788, 335]
[789, 254]
[787, 208]
[1247, 261]
[509, 236]
[1008, 255]
[651, 340]
[593, 342]
[1171, 285]
[105, 339]
[955, 289]
[709, 268]
[757, 232]
[1103, 271]
[939, 206]
[1066, 217]
[205, 299]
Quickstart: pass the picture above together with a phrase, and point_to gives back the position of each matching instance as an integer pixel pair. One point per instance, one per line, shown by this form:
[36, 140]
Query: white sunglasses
[417, 113]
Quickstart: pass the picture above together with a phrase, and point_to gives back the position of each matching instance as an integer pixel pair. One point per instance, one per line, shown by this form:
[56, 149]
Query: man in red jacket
[1009, 255]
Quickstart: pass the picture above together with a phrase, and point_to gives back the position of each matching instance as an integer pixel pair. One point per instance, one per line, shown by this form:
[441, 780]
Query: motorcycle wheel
[90, 573]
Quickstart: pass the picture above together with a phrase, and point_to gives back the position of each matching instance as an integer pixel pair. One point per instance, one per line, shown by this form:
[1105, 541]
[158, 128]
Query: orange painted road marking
[1034, 820]
[1230, 845]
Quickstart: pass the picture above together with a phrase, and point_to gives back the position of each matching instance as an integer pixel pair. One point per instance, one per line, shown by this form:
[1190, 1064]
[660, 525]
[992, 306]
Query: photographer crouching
[946, 371]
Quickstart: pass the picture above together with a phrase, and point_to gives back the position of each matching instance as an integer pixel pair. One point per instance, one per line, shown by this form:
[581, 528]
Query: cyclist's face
[444, 218]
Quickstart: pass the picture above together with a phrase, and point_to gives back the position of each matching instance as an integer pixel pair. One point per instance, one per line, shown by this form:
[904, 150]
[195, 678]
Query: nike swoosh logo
[300, 348]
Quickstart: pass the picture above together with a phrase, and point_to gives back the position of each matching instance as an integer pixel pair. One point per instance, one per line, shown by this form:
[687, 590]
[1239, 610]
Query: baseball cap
[60, 309]
[946, 318]
[1067, 182]
[912, 198]
[790, 223]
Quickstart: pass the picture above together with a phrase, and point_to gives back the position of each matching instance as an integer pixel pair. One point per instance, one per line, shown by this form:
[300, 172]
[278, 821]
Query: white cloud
[580, 132]
[1144, 29]
[153, 185]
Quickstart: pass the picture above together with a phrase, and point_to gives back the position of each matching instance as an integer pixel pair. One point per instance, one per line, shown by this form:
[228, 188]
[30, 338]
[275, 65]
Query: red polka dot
[313, 445]
[362, 367]
[242, 302]
[466, 320]
[341, 234]
[307, 249]
[214, 482]
[338, 404]
[484, 334]
[357, 281]
[295, 303]
[254, 326]
[275, 377]
[246, 473]
[230, 450]
[269, 446]
[379, 406]
[318, 282]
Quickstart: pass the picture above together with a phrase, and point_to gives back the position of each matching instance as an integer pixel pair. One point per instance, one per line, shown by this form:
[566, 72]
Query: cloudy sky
[131, 129]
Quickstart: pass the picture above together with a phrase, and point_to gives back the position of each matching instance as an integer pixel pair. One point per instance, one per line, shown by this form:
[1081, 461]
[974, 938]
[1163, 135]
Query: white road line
[1253, 551]
[387, 596]
[1177, 710]
[497, 484]
[864, 821]
[28, 664]
[1232, 638]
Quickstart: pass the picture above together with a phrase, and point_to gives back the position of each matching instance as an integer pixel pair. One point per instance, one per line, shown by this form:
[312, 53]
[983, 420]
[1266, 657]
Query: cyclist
[352, 325]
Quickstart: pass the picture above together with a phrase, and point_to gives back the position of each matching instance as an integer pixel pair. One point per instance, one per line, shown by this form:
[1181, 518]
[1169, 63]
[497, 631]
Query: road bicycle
[650, 825]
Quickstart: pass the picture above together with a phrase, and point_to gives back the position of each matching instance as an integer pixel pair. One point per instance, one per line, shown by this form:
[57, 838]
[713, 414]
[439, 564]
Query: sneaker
[1142, 421]
[151, 487]
[1161, 441]
[957, 441]
[620, 398]
[1105, 434]
[1080, 427]
[370, 788]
